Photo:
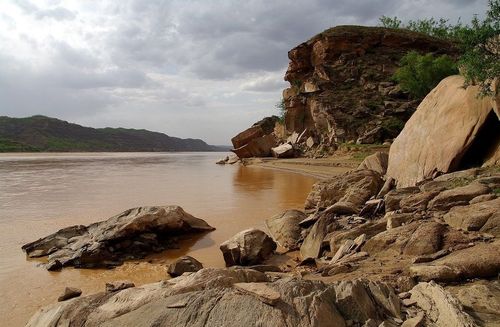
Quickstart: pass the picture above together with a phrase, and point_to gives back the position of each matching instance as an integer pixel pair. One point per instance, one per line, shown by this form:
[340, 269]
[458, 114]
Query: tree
[419, 74]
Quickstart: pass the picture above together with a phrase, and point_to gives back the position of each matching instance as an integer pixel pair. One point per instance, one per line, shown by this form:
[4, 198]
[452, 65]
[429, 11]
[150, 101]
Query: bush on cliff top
[419, 74]
[478, 41]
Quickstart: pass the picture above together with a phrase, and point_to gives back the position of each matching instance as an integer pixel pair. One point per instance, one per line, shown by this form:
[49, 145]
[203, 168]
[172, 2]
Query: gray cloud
[196, 68]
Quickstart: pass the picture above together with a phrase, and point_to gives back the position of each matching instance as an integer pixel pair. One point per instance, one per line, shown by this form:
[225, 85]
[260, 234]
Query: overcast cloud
[203, 69]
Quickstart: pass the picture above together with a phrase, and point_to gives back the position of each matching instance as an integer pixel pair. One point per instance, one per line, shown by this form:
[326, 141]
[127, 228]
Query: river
[41, 193]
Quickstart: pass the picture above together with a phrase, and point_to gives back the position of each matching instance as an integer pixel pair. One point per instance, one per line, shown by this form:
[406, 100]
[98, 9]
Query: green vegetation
[281, 110]
[479, 43]
[393, 125]
[419, 74]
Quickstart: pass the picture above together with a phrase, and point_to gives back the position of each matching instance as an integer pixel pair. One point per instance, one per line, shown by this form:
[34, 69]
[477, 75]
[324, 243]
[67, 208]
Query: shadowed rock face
[132, 234]
[340, 83]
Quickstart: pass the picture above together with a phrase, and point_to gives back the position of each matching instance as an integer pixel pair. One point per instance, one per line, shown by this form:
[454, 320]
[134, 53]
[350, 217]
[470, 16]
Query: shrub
[281, 110]
[479, 43]
[419, 74]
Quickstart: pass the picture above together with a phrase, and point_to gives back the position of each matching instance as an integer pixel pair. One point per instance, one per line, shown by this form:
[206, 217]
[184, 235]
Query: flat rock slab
[133, 233]
[260, 290]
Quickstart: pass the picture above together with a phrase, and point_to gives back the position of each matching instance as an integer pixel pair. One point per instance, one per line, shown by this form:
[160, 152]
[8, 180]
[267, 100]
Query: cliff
[40, 133]
[341, 88]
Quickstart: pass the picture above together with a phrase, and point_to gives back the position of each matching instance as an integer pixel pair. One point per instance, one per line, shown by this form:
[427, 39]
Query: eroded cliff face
[341, 88]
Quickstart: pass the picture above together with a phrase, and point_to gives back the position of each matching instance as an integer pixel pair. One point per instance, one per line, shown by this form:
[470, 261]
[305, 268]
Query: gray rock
[480, 216]
[311, 247]
[132, 234]
[376, 162]
[457, 196]
[184, 264]
[248, 247]
[69, 293]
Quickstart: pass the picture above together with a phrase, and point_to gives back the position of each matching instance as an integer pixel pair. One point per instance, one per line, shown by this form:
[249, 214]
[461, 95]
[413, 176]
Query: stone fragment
[285, 230]
[260, 290]
[283, 151]
[118, 285]
[69, 293]
[248, 247]
[376, 162]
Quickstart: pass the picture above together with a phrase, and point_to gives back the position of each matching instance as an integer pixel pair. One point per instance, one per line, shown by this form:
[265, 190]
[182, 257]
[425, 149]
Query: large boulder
[284, 228]
[354, 187]
[256, 141]
[248, 247]
[132, 234]
[441, 133]
[224, 297]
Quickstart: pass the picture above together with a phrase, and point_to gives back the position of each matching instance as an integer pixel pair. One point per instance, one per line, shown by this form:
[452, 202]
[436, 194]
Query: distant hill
[40, 133]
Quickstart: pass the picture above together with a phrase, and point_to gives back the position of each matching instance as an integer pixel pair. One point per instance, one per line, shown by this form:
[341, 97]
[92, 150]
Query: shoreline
[320, 168]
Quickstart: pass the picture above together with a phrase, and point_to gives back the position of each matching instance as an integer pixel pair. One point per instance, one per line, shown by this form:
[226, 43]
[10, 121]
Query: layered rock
[452, 128]
[132, 234]
[341, 87]
[248, 247]
[220, 297]
[256, 141]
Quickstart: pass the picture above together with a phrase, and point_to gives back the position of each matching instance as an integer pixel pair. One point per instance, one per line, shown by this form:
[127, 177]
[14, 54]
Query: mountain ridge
[40, 133]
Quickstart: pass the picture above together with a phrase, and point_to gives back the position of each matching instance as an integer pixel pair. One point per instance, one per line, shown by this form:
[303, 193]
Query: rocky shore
[408, 237]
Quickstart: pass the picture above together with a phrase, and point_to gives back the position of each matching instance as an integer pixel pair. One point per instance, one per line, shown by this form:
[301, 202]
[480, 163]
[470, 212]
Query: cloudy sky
[205, 69]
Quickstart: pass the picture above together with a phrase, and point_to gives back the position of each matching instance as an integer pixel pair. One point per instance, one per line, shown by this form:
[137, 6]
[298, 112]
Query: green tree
[479, 43]
[419, 74]
[281, 110]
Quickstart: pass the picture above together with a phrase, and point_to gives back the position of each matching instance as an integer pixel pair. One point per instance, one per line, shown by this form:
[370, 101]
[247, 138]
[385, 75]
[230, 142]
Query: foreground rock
[132, 234]
[221, 297]
[249, 247]
[451, 128]
[184, 264]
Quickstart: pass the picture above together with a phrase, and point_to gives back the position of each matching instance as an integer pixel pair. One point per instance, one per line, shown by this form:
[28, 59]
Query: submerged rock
[69, 293]
[131, 234]
[248, 247]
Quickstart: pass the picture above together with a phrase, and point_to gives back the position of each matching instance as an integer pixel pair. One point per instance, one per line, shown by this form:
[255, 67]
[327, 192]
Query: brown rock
[439, 133]
[393, 198]
[118, 285]
[285, 230]
[426, 239]
[69, 293]
[376, 162]
[457, 196]
[248, 247]
[261, 291]
[355, 187]
[257, 147]
[311, 247]
[481, 216]
[283, 151]
[184, 264]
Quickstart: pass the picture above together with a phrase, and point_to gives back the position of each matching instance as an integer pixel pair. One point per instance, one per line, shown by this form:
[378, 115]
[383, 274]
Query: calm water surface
[40, 193]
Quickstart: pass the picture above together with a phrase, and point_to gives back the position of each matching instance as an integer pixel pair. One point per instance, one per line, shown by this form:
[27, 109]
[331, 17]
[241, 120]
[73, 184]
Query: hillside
[40, 133]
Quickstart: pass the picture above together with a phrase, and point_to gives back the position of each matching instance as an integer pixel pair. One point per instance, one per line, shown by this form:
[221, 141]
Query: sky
[190, 68]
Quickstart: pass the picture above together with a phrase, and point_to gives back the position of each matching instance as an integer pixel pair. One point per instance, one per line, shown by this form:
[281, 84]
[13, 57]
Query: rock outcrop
[184, 264]
[341, 88]
[248, 247]
[221, 297]
[451, 129]
[132, 234]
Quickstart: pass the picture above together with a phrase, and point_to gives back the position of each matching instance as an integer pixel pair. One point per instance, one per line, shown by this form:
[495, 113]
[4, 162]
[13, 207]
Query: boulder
[283, 151]
[184, 264]
[426, 239]
[457, 196]
[285, 230]
[257, 147]
[69, 293]
[248, 247]
[481, 216]
[393, 198]
[131, 234]
[354, 187]
[376, 162]
[441, 308]
[440, 133]
[479, 261]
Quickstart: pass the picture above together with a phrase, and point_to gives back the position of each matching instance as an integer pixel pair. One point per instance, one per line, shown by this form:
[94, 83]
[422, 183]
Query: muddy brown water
[41, 193]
